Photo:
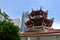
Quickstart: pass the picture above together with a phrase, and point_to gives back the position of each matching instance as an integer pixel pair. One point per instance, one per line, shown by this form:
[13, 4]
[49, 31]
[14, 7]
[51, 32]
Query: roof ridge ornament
[41, 8]
[47, 11]
[32, 9]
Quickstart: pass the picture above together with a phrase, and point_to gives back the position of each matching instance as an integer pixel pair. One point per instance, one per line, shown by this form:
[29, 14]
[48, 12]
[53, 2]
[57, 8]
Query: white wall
[42, 38]
[16, 21]
[1, 18]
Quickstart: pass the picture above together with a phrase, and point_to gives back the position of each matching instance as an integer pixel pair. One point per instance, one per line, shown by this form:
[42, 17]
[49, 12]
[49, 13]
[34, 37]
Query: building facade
[3, 16]
[22, 23]
[23, 20]
[39, 27]
[16, 21]
[40, 35]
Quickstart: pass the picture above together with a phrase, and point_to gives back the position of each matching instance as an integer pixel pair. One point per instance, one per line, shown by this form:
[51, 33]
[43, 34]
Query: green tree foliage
[9, 31]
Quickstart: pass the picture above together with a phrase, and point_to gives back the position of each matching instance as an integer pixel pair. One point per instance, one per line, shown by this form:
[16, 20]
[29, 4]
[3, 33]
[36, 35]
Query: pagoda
[39, 27]
[38, 21]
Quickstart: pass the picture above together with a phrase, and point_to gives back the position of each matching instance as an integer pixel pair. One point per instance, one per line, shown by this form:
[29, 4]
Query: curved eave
[48, 32]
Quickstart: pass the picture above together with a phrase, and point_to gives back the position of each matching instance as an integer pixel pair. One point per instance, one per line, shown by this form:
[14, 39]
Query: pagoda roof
[46, 32]
[38, 12]
[46, 22]
[38, 18]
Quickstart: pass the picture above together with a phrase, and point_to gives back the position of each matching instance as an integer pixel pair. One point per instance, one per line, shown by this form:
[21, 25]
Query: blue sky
[15, 8]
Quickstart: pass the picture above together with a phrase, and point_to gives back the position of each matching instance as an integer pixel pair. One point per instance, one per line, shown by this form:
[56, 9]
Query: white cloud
[56, 25]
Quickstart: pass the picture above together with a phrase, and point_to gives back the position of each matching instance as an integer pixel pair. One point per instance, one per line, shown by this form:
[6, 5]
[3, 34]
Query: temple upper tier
[39, 18]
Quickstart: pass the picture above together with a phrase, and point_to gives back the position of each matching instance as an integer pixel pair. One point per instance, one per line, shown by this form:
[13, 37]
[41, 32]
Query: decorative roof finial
[36, 9]
[52, 18]
[47, 11]
[41, 8]
[32, 9]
